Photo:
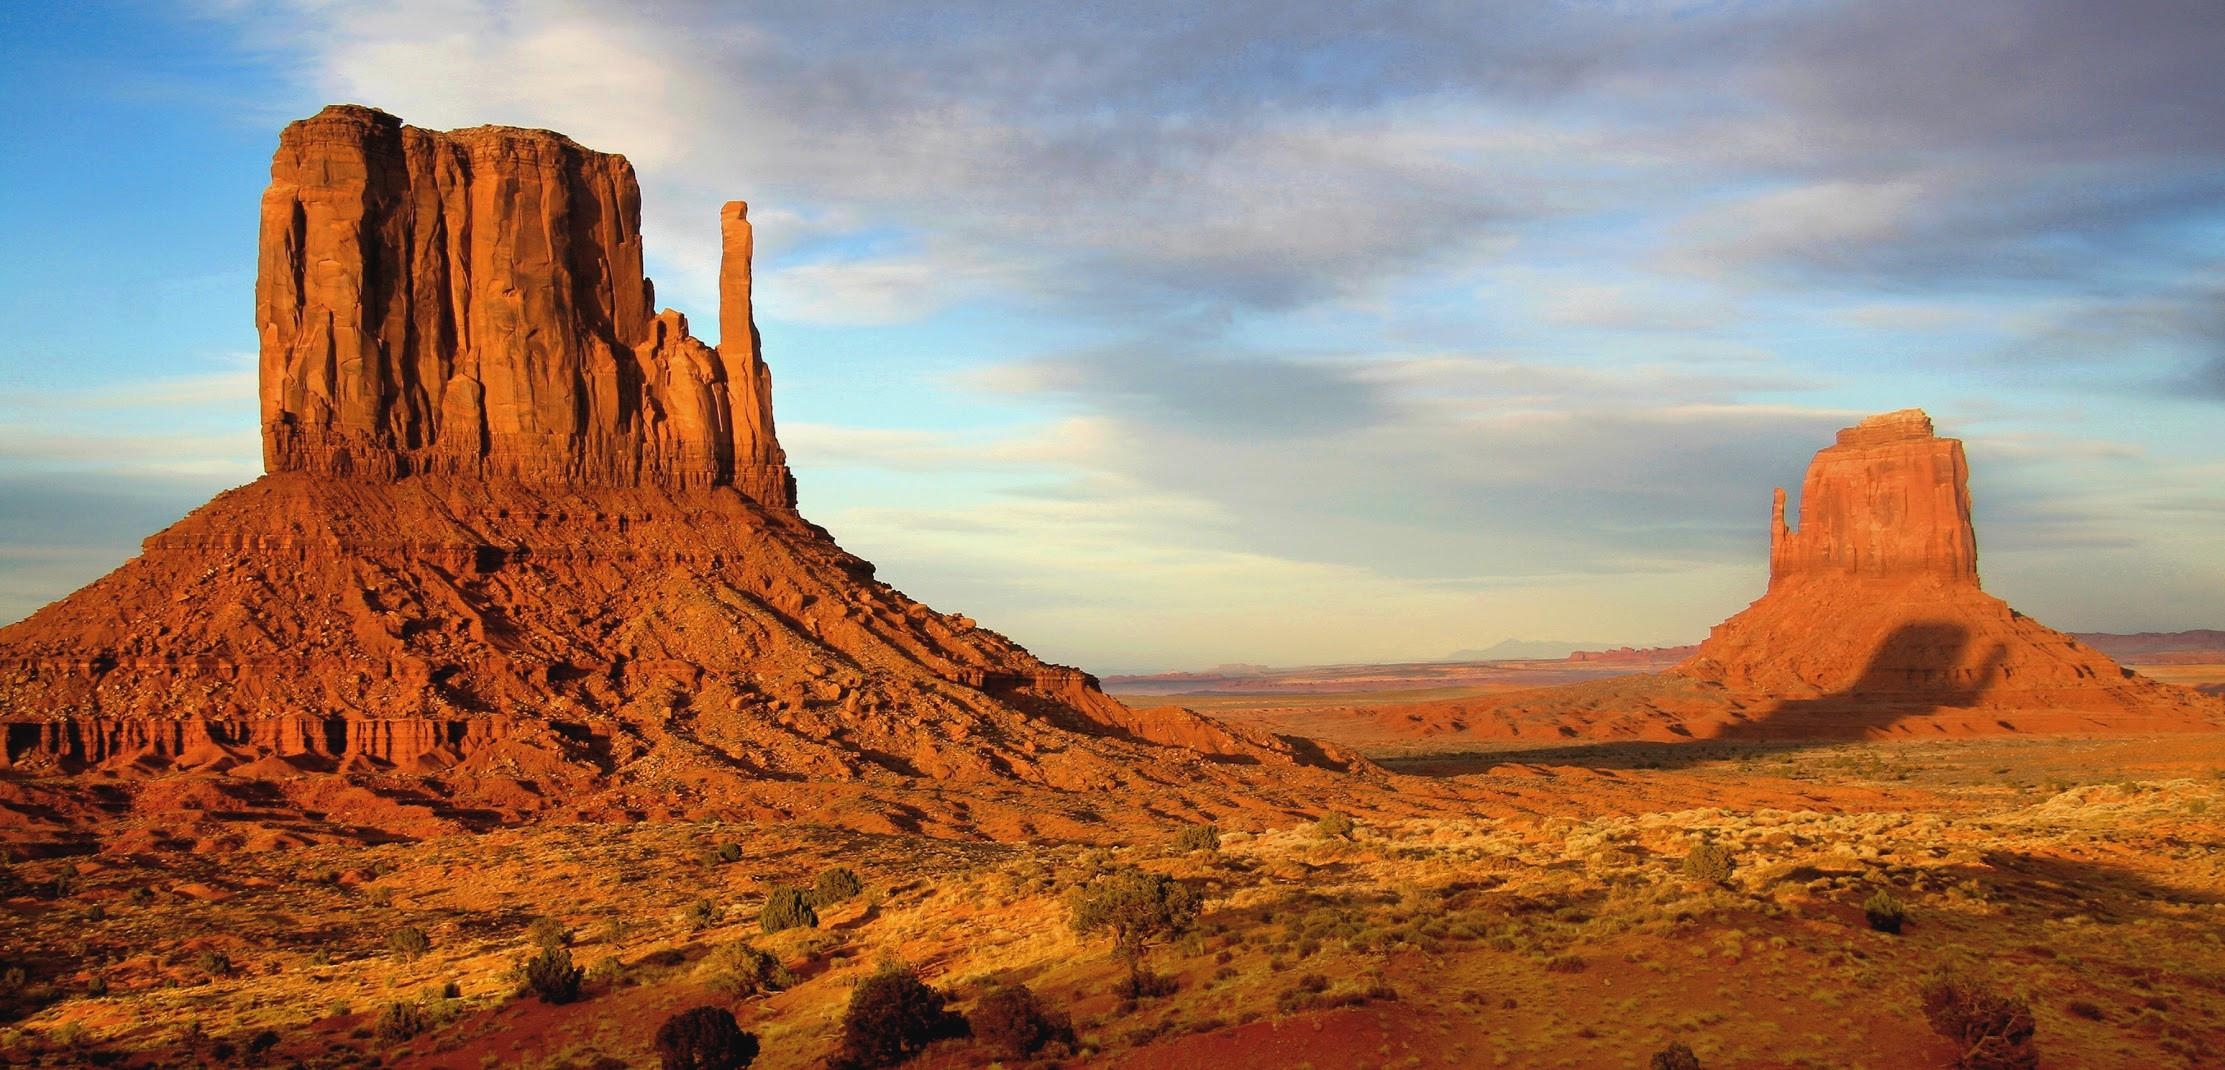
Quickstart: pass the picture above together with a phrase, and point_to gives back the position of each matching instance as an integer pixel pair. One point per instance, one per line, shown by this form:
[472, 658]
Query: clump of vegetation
[214, 963]
[1013, 1021]
[893, 1015]
[1709, 862]
[1333, 826]
[1994, 1030]
[549, 932]
[1675, 1057]
[699, 914]
[787, 908]
[1137, 907]
[705, 1038]
[1884, 912]
[400, 1021]
[739, 970]
[409, 942]
[837, 885]
[550, 976]
[1198, 838]
[723, 854]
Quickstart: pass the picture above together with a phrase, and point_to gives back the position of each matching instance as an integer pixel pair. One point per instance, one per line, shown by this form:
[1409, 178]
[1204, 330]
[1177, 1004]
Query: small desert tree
[739, 970]
[1198, 838]
[550, 975]
[1675, 1057]
[1012, 1021]
[837, 885]
[893, 1015]
[1137, 907]
[705, 1038]
[409, 942]
[787, 908]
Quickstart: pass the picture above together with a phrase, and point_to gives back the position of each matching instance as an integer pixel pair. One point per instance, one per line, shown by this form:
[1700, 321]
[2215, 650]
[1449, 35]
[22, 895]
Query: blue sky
[1164, 335]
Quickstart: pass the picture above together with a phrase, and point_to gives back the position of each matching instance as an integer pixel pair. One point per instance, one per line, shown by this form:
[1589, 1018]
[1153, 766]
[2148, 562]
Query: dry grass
[1532, 939]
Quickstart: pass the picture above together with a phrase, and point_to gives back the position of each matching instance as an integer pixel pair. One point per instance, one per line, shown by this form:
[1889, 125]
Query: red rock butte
[1876, 594]
[1873, 624]
[524, 536]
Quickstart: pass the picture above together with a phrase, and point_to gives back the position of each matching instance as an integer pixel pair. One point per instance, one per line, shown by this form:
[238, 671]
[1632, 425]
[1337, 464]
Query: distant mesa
[1873, 624]
[525, 536]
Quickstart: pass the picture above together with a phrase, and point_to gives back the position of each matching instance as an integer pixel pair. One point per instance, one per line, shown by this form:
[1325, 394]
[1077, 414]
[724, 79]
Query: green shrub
[837, 885]
[1333, 826]
[1675, 1057]
[400, 1021]
[699, 914]
[1137, 907]
[1198, 838]
[1708, 862]
[724, 854]
[787, 908]
[1994, 1031]
[739, 970]
[1012, 1021]
[704, 1038]
[214, 963]
[549, 932]
[551, 977]
[409, 941]
[892, 1016]
[1884, 912]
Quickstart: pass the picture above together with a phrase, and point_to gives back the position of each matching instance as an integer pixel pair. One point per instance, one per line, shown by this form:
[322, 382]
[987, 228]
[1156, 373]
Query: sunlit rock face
[472, 302]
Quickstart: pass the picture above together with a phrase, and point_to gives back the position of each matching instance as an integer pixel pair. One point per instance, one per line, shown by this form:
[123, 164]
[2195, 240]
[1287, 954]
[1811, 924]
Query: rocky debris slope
[1873, 623]
[524, 536]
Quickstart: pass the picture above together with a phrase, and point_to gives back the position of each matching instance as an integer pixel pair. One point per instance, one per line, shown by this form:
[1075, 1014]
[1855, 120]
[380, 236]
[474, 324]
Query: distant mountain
[1524, 650]
[2197, 645]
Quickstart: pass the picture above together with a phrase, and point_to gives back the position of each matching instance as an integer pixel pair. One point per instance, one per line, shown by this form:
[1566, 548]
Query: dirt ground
[1544, 918]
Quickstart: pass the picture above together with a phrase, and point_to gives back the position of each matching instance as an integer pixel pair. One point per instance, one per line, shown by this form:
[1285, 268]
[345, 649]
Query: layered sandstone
[525, 536]
[472, 302]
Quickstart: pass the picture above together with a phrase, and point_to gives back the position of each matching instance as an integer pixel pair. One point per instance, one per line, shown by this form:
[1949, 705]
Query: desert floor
[1549, 920]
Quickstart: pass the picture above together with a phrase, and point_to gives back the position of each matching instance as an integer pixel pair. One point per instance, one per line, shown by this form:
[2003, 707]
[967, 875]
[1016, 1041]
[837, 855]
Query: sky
[1160, 336]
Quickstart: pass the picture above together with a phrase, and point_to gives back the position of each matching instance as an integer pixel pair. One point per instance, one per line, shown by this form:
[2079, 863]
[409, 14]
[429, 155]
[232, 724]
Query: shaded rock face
[523, 535]
[472, 302]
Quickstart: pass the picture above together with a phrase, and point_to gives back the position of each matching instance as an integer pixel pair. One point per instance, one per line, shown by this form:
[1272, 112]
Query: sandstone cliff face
[472, 302]
[1889, 500]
